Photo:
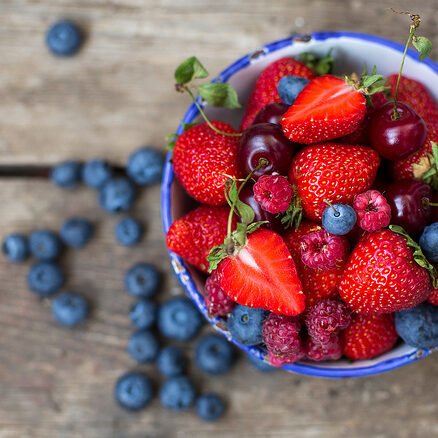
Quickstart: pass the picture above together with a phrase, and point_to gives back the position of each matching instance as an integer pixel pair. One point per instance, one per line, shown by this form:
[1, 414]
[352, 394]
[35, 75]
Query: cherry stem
[330, 205]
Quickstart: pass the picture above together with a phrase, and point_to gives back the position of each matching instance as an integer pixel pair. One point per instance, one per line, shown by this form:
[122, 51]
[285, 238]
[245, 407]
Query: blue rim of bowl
[179, 266]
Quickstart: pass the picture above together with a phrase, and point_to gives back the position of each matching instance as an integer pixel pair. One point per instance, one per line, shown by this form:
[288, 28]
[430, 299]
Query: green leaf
[171, 136]
[187, 126]
[217, 254]
[190, 69]
[423, 46]
[171, 145]
[219, 95]
[321, 66]
[294, 213]
[243, 210]
[255, 226]
[371, 80]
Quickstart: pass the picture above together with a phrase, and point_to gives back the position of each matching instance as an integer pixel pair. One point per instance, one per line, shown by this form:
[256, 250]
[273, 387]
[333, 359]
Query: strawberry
[194, 234]
[433, 297]
[334, 172]
[265, 89]
[204, 159]
[382, 276]
[368, 336]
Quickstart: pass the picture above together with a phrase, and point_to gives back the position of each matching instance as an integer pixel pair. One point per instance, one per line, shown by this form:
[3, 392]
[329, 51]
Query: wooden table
[113, 97]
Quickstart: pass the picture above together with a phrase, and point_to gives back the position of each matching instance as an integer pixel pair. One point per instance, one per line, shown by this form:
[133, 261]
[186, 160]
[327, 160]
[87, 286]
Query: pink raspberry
[273, 192]
[278, 361]
[215, 299]
[321, 250]
[372, 210]
[332, 351]
[325, 319]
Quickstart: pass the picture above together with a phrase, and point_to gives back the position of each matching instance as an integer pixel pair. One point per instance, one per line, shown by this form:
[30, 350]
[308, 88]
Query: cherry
[396, 138]
[409, 202]
[271, 113]
[264, 141]
[435, 208]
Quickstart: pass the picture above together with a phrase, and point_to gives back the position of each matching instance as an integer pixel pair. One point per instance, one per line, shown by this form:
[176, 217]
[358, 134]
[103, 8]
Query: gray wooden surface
[115, 96]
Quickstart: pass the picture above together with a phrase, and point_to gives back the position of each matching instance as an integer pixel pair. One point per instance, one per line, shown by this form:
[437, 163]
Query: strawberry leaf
[190, 69]
[321, 66]
[430, 175]
[255, 226]
[294, 213]
[217, 254]
[423, 46]
[241, 209]
[219, 95]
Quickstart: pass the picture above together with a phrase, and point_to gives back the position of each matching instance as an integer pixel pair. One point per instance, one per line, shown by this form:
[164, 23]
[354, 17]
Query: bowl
[352, 51]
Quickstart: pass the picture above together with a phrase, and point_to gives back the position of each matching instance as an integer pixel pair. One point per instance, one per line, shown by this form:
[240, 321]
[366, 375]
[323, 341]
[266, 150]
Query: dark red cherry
[435, 208]
[399, 138]
[409, 201]
[271, 113]
[264, 141]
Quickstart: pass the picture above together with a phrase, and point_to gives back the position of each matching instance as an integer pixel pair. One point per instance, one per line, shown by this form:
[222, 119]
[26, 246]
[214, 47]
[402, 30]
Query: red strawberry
[326, 108]
[334, 172]
[193, 235]
[265, 89]
[433, 297]
[262, 274]
[382, 276]
[203, 160]
[368, 336]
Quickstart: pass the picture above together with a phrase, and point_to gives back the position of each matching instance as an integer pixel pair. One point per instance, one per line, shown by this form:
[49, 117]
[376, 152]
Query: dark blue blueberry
[143, 346]
[45, 245]
[339, 219]
[210, 407]
[143, 314]
[133, 391]
[117, 194]
[64, 38]
[259, 364]
[171, 361]
[45, 278]
[76, 232]
[142, 280]
[214, 355]
[145, 166]
[67, 174]
[69, 309]
[289, 87]
[15, 247]
[96, 173]
[178, 393]
[245, 324]
[179, 319]
[418, 326]
[128, 231]
[429, 242]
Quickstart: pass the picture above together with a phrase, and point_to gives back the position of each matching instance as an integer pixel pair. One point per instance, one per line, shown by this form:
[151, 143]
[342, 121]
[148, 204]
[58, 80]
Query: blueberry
[143, 346]
[339, 219]
[245, 324]
[142, 280]
[96, 173]
[171, 361]
[67, 174]
[289, 87]
[214, 355]
[69, 309]
[418, 326]
[259, 364]
[179, 319]
[210, 407]
[117, 194]
[16, 247]
[143, 314]
[145, 166]
[178, 393]
[429, 242]
[45, 278]
[64, 38]
[128, 231]
[45, 245]
[133, 391]
[76, 232]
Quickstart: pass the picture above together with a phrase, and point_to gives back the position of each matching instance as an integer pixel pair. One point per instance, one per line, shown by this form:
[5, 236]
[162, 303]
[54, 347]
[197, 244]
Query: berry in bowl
[286, 219]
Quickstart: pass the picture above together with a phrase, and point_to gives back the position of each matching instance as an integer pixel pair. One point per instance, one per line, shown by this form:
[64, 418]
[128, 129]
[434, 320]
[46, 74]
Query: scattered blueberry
[339, 219]
[289, 87]
[117, 194]
[143, 346]
[45, 278]
[69, 309]
[179, 319]
[178, 393]
[64, 38]
[418, 326]
[429, 242]
[76, 232]
[142, 280]
[259, 364]
[128, 231]
[96, 173]
[171, 361]
[145, 166]
[67, 174]
[143, 314]
[45, 245]
[214, 354]
[210, 407]
[245, 324]
[133, 391]
[15, 247]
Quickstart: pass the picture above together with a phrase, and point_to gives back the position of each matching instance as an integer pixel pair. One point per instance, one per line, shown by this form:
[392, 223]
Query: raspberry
[316, 352]
[321, 250]
[278, 361]
[373, 211]
[215, 299]
[273, 193]
[325, 319]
